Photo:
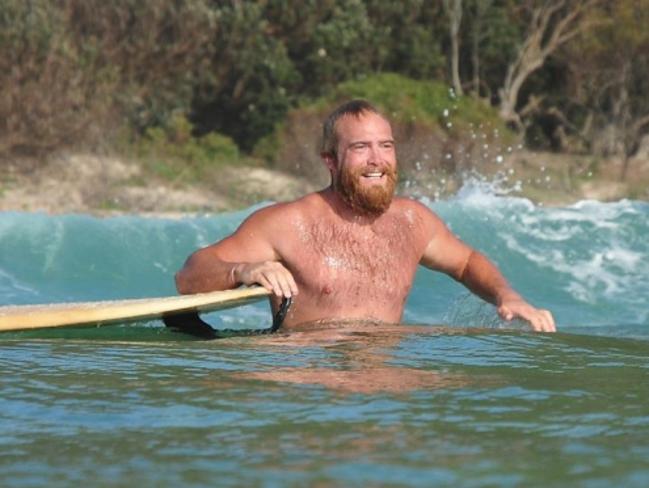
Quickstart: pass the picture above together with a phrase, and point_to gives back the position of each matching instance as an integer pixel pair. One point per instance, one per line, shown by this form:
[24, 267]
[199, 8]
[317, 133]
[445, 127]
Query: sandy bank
[102, 185]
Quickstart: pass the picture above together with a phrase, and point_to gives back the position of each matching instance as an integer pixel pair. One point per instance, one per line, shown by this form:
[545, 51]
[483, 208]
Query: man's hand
[272, 275]
[540, 320]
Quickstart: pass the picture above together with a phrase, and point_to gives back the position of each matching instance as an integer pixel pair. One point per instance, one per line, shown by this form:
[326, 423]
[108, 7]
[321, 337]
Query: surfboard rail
[24, 317]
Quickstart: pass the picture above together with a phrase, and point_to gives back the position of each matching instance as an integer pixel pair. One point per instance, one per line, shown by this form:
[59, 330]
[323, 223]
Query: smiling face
[364, 169]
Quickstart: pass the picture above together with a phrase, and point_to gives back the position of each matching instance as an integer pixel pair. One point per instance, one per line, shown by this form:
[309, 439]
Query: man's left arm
[448, 254]
[484, 279]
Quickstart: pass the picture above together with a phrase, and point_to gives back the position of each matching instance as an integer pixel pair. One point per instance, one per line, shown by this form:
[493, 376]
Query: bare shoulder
[442, 250]
[417, 213]
[262, 236]
[277, 217]
[274, 212]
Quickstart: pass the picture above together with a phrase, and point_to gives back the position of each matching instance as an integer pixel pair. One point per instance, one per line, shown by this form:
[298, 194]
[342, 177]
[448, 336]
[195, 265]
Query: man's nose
[374, 156]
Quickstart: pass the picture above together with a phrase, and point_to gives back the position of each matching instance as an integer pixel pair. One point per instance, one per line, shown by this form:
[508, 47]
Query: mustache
[384, 168]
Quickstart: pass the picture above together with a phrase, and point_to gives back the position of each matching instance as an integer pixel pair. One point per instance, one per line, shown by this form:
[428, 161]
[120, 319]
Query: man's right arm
[246, 257]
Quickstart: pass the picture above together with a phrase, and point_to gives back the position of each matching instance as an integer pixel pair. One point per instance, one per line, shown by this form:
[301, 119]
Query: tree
[552, 23]
[610, 67]
[72, 70]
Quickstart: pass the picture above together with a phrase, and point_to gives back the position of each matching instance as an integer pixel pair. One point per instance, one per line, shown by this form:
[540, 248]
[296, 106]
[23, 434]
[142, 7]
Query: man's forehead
[365, 122]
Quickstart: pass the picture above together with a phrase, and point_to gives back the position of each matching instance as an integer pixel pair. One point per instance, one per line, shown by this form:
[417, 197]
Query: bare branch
[532, 106]
[551, 25]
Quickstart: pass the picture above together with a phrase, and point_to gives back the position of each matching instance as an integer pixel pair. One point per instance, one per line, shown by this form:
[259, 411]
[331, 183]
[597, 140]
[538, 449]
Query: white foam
[609, 269]
[477, 191]
[597, 252]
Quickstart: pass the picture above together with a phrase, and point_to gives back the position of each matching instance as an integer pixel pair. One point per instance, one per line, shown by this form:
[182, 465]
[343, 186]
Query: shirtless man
[351, 250]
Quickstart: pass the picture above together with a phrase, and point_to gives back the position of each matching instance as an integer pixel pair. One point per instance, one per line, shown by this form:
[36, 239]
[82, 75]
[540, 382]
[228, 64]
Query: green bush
[435, 130]
[73, 72]
[173, 153]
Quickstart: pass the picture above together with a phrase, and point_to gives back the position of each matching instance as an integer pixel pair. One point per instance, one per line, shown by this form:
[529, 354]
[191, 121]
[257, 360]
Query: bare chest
[355, 265]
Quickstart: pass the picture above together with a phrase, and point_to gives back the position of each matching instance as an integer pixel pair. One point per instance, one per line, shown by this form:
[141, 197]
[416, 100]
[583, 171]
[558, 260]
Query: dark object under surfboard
[191, 323]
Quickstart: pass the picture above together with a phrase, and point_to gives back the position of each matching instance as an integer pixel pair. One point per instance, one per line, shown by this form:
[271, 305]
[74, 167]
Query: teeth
[373, 175]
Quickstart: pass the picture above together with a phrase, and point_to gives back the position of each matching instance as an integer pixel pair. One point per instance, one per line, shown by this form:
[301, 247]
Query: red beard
[371, 200]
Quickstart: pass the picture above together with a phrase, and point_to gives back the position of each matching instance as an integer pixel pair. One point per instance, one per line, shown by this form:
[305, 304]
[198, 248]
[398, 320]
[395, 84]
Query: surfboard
[25, 317]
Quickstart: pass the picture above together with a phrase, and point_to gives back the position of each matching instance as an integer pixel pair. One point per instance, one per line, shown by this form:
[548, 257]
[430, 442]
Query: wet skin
[338, 261]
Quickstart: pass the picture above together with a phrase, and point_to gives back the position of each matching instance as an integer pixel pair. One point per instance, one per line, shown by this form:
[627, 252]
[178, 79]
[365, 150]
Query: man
[351, 250]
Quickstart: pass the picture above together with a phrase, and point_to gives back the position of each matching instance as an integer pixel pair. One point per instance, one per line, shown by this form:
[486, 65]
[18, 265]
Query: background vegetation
[203, 80]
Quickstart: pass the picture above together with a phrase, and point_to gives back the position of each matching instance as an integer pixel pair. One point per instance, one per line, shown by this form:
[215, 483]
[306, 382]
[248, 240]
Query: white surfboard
[24, 317]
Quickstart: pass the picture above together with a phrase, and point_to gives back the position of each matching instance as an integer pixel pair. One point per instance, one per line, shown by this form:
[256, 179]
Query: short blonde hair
[354, 108]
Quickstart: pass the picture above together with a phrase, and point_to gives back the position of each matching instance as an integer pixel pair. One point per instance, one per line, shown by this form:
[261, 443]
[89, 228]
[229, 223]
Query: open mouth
[376, 175]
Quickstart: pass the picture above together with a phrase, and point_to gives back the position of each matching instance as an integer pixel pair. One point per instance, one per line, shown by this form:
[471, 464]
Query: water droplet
[499, 159]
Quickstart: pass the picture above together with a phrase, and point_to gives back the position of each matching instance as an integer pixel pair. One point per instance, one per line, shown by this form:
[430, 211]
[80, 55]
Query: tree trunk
[552, 25]
[477, 36]
[454, 12]
[475, 63]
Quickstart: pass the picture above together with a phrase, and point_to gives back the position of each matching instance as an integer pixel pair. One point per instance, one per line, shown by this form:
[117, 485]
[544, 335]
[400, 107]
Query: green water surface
[438, 408]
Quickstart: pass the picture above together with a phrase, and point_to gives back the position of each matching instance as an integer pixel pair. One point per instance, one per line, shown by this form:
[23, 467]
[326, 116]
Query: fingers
[542, 321]
[272, 275]
[278, 281]
[548, 323]
[539, 320]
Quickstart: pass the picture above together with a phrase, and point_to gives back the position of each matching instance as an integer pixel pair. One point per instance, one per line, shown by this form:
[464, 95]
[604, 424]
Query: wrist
[508, 296]
[235, 279]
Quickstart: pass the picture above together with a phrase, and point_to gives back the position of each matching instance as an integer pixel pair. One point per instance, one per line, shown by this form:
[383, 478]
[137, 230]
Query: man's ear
[329, 160]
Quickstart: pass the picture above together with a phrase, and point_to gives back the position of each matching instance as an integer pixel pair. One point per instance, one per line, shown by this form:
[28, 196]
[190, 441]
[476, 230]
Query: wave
[587, 262]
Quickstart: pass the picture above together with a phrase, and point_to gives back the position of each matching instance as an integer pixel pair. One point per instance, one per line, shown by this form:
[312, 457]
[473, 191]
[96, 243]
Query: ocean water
[454, 398]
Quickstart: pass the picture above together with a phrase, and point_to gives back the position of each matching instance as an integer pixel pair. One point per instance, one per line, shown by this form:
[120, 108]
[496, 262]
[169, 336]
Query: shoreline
[104, 186]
